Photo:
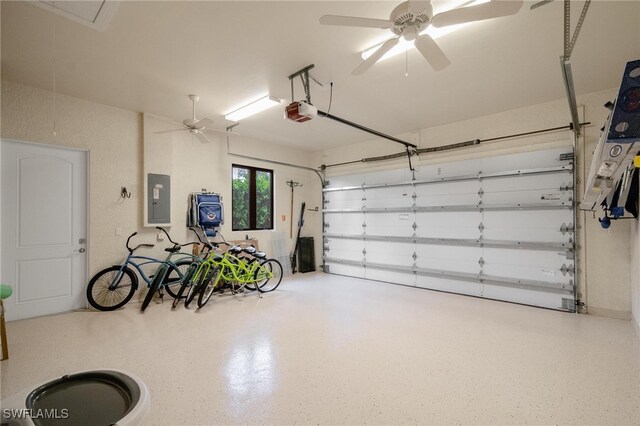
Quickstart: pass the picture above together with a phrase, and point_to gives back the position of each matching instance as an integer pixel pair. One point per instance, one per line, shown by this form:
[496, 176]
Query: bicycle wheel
[210, 287]
[175, 278]
[195, 288]
[268, 275]
[155, 285]
[108, 292]
[187, 282]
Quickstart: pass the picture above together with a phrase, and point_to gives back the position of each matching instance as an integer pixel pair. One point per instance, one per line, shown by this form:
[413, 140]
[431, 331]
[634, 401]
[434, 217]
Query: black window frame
[252, 197]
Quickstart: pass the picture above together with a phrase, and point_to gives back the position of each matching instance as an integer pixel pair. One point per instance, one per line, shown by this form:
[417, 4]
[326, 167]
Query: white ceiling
[153, 54]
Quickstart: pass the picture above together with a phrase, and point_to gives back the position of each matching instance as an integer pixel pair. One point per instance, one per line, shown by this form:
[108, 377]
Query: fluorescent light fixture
[252, 108]
[434, 32]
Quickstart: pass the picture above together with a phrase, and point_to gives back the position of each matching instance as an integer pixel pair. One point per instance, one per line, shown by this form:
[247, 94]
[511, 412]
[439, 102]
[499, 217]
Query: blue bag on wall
[210, 212]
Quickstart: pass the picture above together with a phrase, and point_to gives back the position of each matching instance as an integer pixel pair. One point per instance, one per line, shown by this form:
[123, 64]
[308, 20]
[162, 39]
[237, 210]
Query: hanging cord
[330, 96]
[53, 14]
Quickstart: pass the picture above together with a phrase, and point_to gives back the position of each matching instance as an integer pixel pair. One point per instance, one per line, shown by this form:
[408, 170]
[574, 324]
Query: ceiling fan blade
[353, 21]
[418, 6]
[204, 123]
[492, 9]
[432, 52]
[375, 57]
[203, 138]
[172, 130]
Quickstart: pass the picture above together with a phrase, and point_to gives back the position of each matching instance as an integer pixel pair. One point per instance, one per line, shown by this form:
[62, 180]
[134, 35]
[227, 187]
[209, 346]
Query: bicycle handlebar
[131, 250]
[197, 235]
[208, 245]
[128, 239]
[167, 234]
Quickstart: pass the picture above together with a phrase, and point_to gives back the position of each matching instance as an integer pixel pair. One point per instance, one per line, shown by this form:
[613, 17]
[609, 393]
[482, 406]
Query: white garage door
[498, 227]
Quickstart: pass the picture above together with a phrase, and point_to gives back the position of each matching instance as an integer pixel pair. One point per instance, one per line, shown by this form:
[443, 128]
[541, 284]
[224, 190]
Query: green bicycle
[258, 272]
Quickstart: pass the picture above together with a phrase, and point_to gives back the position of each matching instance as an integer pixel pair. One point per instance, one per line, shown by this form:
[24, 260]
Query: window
[252, 198]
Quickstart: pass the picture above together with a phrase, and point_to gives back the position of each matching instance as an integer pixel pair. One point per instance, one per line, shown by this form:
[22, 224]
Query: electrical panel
[158, 198]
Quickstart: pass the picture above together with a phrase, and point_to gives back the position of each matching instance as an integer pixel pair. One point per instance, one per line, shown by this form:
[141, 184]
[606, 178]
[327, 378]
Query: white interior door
[44, 228]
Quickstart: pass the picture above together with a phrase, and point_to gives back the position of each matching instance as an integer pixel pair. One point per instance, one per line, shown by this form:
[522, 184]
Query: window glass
[252, 198]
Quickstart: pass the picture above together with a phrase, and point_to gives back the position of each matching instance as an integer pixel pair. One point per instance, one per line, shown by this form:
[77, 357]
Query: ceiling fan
[411, 18]
[195, 126]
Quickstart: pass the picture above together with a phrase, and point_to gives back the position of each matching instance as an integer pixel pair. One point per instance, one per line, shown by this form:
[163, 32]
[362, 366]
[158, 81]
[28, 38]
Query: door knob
[81, 250]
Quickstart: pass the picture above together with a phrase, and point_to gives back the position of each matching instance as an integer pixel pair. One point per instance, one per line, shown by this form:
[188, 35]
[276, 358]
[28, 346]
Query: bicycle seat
[255, 253]
[235, 249]
[174, 249]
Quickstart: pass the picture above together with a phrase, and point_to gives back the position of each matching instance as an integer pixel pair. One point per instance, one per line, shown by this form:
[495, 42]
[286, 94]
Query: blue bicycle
[113, 287]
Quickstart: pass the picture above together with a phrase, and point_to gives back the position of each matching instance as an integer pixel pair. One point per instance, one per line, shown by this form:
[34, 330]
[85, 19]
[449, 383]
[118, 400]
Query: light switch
[118, 232]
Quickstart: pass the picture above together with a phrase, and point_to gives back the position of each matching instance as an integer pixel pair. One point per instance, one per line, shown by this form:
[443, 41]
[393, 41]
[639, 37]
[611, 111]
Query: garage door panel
[531, 196]
[448, 224]
[348, 270]
[514, 248]
[448, 200]
[390, 224]
[470, 188]
[389, 253]
[528, 297]
[344, 249]
[457, 265]
[544, 182]
[350, 200]
[387, 176]
[389, 197]
[447, 194]
[542, 226]
[524, 257]
[391, 276]
[345, 223]
[444, 170]
[449, 258]
[449, 285]
[526, 272]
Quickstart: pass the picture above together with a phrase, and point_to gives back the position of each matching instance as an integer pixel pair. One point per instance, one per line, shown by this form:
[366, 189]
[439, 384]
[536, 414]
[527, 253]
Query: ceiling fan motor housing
[407, 23]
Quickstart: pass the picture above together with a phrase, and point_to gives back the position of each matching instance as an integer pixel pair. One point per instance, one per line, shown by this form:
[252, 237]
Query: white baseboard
[609, 313]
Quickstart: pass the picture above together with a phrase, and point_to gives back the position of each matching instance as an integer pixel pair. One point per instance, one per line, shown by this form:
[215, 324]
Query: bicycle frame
[147, 261]
[241, 272]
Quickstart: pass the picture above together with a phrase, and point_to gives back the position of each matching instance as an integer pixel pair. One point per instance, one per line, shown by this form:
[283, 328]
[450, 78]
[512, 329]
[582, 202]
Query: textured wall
[194, 165]
[111, 135]
[114, 139]
[603, 255]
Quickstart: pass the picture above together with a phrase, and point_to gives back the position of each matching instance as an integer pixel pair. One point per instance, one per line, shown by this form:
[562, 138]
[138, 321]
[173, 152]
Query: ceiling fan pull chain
[406, 60]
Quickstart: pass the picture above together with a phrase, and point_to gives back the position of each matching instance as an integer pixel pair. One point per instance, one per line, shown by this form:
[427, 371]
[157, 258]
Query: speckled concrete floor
[333, 350]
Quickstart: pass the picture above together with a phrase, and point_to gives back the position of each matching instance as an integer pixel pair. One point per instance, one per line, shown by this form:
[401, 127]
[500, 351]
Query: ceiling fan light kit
[412, 21]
